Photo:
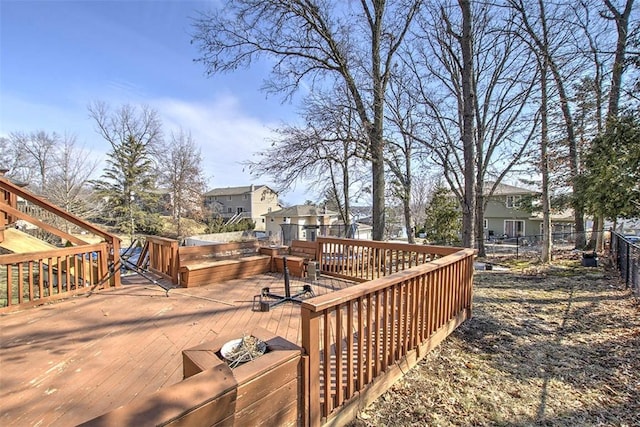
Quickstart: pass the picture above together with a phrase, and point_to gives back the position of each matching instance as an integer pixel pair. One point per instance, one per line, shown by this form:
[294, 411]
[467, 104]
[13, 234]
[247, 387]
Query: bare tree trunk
[469, 202]
[622, 24]
[480, 218]
[544, 166]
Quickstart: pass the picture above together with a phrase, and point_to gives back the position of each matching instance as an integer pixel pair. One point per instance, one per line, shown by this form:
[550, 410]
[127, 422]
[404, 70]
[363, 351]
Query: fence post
[628, 272]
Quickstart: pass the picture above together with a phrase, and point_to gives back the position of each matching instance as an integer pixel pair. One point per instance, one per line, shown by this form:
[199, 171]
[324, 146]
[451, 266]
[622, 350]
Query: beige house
[300, 222]
[237, 203]
[307, 222]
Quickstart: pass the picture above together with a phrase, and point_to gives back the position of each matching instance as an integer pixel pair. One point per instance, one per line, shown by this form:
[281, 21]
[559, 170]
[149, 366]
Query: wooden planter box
[269, 388]
[265, 391]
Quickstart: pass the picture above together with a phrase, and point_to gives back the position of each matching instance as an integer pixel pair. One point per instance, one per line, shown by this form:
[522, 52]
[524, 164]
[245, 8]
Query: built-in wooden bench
[203, 265]
[298, 256]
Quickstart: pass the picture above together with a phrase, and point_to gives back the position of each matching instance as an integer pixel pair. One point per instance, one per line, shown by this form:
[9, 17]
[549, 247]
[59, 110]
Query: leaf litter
[547, 346]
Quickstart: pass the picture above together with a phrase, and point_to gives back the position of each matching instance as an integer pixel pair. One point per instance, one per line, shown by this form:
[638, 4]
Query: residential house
[237, 203]
[307, 222]
[504, 216]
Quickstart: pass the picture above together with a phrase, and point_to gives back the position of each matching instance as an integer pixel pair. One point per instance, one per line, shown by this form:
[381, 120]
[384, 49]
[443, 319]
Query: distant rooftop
[507, 190]
[232, 191]
[302, 210]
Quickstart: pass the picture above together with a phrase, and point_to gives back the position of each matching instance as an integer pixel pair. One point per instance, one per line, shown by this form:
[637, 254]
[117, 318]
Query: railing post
[311, 379]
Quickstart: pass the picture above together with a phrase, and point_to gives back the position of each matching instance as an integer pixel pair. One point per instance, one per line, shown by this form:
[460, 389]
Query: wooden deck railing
[38, 277]
[356, 338]
[363, 260]
[105, 258]
[163, 257]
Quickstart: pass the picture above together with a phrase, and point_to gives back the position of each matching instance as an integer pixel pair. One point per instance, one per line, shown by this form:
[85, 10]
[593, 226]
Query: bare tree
[621, 18]
[34, 151]
[317, 42]
[326, 151]
[134, 135]
[16, 161]
[502, 81]
[180, 173]
[546, 36]
[401, 147]
[72, 169]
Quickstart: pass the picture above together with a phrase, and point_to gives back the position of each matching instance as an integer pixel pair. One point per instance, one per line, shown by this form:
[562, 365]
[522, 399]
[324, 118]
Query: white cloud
[225, 134]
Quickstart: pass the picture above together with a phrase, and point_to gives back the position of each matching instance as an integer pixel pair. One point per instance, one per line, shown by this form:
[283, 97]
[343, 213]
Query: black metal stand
[266, 305]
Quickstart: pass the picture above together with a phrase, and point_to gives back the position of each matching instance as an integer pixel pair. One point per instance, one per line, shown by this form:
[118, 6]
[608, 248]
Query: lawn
[556, 346]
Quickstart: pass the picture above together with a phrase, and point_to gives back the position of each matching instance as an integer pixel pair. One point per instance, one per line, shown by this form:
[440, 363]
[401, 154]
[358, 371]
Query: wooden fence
[356, 339]
[38, 277]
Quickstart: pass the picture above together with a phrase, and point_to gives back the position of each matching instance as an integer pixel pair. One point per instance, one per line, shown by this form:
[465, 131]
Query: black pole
[285, 270]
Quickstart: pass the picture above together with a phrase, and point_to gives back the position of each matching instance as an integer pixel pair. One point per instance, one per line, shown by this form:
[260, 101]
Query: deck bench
[204, 273]
[298, 256]
[203, 265]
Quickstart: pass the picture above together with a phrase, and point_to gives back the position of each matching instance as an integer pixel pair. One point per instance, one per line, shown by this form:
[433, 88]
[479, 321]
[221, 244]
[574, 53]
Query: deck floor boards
[70, 361]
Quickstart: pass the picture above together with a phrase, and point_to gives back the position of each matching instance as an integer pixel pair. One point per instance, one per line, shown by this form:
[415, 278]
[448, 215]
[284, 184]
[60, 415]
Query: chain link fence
[626, 256]
[530, 246]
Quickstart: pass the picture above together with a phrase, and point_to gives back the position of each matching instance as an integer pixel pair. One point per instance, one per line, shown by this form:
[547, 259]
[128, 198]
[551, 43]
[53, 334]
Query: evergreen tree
[611, 183]
[443, 218]
[128, 182]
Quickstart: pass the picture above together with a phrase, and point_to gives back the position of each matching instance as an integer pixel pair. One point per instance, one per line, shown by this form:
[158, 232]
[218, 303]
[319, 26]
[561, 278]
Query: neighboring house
[503, 217]
[237, 203]
[307, 222]
[300, 222]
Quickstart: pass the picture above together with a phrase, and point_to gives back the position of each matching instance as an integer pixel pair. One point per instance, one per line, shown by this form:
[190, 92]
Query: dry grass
[556, 346]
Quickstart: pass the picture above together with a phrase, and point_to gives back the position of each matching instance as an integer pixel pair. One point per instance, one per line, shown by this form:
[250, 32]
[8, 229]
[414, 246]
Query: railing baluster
[9, 284]
[339, 350]
[385, 328]
[326, 368]
[378, 339]
[20, 282]
[361, 366]
[350, 374]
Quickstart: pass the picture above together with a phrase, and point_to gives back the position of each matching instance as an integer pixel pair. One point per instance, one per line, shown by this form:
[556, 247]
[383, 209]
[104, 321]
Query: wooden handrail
[163, 257]
[356, 336]
[32, 198]
[363, 260]
[8, 205]
[331, 299]
[37, 277]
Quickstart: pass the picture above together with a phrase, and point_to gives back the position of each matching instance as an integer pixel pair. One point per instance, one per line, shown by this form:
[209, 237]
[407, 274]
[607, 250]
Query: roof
[507, 190]
[300, 211]
[233, 191]
[563, 216]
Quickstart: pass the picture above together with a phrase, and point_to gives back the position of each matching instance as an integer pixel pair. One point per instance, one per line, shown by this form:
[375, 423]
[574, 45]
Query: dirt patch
[546, 346]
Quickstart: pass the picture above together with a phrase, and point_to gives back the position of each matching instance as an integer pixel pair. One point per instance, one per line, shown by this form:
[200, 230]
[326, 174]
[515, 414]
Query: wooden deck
[68, 362]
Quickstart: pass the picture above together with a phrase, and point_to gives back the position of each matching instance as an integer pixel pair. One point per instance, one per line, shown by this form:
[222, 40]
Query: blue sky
[56, 57]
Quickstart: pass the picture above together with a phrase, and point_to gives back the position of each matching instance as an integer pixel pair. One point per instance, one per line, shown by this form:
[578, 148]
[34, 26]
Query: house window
[239, 209]
[486, 224]
[229, 210]
[246, 196]
[513, 228]
[512, 201]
